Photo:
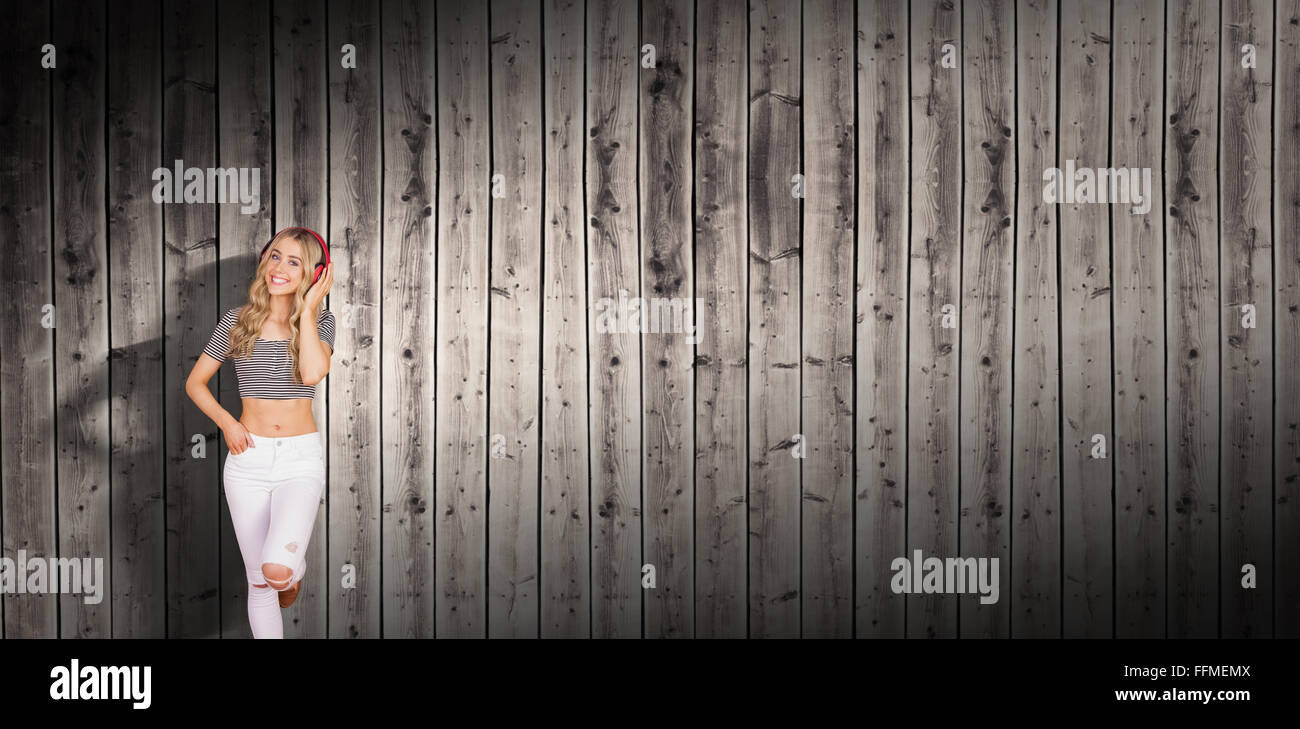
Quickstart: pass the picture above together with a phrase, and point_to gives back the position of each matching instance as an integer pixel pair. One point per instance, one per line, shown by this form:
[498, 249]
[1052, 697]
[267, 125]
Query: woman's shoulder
[325, 315]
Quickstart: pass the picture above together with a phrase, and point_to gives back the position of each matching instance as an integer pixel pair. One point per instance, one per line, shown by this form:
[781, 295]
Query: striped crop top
[266, 373]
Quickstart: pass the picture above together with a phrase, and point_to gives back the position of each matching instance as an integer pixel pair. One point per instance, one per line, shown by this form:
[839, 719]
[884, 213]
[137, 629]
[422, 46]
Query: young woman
[281, 342]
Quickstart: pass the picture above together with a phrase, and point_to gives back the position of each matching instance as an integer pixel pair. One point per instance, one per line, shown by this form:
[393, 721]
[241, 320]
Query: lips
[279, 280]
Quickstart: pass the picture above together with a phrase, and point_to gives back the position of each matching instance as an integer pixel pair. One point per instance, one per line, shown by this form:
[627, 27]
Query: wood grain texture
[565, 589]
[826, 324]
[81, 355]
[27, 396]
[667, 349]
[1286, 252]
[243, 141]
[721, 256]
[192, 492]
[135, 236]
[1137, 248]
[1245, 172]
[1192, 291]
[775, 216]
[409, 281]
[745, 165]
[987, 248]
[881, 322]
[1035, 585]
[464, 131]
[355, 174]
[613, 271]
[301, 182]
[934, 300]
[516, 354]
[1086, 486]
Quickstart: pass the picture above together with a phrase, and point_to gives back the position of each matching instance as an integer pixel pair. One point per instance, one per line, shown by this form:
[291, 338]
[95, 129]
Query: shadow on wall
[154, 579]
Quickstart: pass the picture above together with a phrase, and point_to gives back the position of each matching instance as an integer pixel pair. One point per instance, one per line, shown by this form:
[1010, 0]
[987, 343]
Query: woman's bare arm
[196, 386]
[313, 353]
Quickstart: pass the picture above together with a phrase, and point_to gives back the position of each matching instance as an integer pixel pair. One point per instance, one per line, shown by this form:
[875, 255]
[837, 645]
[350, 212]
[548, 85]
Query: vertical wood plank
[409, 266]
[775, 216]
[827, 319]
[515, 329]
[615, 367]
[1138, 445]
[721, 140]
[668, 354]
[880, 362]
[1035, 594]
[27, 489]
[566, 501]
[355, 298]
[935, 295]
[243, 141]
[1192, 276]
[192, 490]
[302, 198]
[988, 243]
[463, 245]
[1286, 220]
[1086, 325]
[135, 236]
[81, 290]
[1245, 172]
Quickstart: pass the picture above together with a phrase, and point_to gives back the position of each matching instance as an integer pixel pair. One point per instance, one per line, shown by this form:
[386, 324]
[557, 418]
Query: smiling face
[285, 269]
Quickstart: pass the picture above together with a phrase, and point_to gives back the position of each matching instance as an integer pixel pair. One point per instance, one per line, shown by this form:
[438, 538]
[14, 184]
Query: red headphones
[320, 267]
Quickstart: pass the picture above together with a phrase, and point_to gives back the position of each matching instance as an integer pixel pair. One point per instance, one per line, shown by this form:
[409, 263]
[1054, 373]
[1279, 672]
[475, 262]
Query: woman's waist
[280, 457]
[278, 418]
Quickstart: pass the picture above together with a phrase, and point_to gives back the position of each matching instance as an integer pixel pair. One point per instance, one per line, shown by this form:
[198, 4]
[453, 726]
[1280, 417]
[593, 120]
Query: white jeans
[274, 489]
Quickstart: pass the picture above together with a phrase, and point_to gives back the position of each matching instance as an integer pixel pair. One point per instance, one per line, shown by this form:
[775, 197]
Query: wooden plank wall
[670, 318]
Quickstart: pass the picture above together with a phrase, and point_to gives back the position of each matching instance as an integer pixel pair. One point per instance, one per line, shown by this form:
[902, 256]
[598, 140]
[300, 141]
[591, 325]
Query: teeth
[279, 280]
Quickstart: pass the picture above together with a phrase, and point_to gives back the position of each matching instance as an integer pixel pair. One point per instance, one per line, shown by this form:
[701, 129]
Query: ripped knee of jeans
[277, 576]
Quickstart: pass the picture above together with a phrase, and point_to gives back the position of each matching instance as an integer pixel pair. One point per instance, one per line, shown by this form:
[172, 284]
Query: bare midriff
[277, 418]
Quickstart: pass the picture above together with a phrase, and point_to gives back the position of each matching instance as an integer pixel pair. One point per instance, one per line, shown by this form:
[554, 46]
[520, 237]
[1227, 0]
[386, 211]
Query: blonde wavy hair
[254, 314]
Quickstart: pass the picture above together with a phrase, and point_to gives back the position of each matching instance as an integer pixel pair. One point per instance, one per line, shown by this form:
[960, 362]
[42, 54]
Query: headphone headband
[320, 267]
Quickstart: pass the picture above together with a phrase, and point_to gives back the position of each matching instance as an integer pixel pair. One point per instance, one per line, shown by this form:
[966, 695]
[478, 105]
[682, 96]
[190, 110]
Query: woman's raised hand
[316, 294]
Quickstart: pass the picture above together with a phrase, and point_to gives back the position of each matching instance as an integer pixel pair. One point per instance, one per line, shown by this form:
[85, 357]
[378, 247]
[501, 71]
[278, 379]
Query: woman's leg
[250, 514]
[264, 612]
[294, 503]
